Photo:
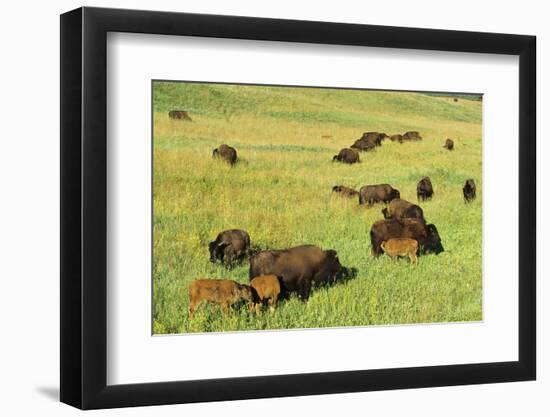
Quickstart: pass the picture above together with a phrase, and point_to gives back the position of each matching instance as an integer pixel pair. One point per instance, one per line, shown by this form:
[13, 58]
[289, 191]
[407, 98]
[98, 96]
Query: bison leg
[192, 309]
[304, 288]
[413, 258]
[272, 304]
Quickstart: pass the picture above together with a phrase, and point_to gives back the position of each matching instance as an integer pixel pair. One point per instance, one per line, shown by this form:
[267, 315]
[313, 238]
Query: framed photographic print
[256, 208]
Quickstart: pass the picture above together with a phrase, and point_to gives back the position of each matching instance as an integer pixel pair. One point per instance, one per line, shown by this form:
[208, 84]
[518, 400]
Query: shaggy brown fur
[401, 247]
[267, 289]
[223, 292]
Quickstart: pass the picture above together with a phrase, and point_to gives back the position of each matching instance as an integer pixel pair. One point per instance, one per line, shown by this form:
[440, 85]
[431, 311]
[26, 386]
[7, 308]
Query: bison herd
[370, 140]
[273, 274]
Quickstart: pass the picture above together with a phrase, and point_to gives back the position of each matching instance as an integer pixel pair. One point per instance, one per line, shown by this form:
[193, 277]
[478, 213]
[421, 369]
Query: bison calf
[401, 247]
[226, 152]
[469, 191]
[223, 292]
[267, 288]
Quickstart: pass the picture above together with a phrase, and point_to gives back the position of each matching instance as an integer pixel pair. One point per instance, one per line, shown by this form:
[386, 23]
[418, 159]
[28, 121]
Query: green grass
[280, 192]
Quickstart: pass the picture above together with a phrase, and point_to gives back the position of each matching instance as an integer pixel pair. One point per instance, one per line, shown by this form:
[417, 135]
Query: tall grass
[280, 192]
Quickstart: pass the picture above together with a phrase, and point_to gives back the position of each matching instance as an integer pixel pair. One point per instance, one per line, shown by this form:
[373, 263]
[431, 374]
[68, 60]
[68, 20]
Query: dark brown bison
[412, 135]
[449, 144]
[469, 191]
[347, 156]
[345, 191]
[398, 138]
[424, 189]
[371, 139]
[267, 288]
[179, 115]
[299, 268]
[226, 152]
[381, 193]
[223, 292]
[229, 247]
[364, 145]
[426, 234]
[402, 246]
[402, 209]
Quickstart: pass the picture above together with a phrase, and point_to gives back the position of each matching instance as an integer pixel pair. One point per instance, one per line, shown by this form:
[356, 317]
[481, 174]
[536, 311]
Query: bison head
[244, 292]
[337, 188]
[395, 194]
[433, 241]
[216, 250]
[386, 213]
[215, 152]
[335, 158]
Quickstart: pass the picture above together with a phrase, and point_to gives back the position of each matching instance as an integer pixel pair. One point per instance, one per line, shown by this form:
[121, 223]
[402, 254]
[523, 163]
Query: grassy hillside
[280, 192]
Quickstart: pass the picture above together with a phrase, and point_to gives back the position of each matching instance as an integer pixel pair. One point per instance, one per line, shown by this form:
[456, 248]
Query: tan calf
[401, 247]
[223, 292]
[267, 288]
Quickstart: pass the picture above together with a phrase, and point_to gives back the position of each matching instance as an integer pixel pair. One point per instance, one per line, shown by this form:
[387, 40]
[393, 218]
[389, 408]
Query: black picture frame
[84, 207]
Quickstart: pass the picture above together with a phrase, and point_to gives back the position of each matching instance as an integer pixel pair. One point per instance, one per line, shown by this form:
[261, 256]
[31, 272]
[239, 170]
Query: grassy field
[280, 192]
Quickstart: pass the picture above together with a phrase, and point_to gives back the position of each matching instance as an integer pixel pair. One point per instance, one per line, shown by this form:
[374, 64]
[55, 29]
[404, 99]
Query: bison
[299, 268]
[402, 246]
[412, 135]
[179, 115]
[230, 246]
[226, 152]
[426, 234]
[449, 144]
[267, 288]
[223, 292]
[424, 189]
[347, 156]
[402, 209]
[370, 194]
[345, 191]
[363, 145]
[469, 191]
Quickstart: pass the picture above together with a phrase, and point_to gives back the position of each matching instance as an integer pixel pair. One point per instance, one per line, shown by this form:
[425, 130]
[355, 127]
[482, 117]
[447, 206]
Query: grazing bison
[364, 145]
[398, 138]
[402, 209]
[381, 193]
[229, 247]
[449, 144]
[223, 292]
[412, 135]
[374, 137]
[426, 234]
[345, 191]
[402, 246]
[424, 189]
[226, 152]
[469, 191]
[347, 156]
[267, 288]
[179, 115]
[299, 268]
